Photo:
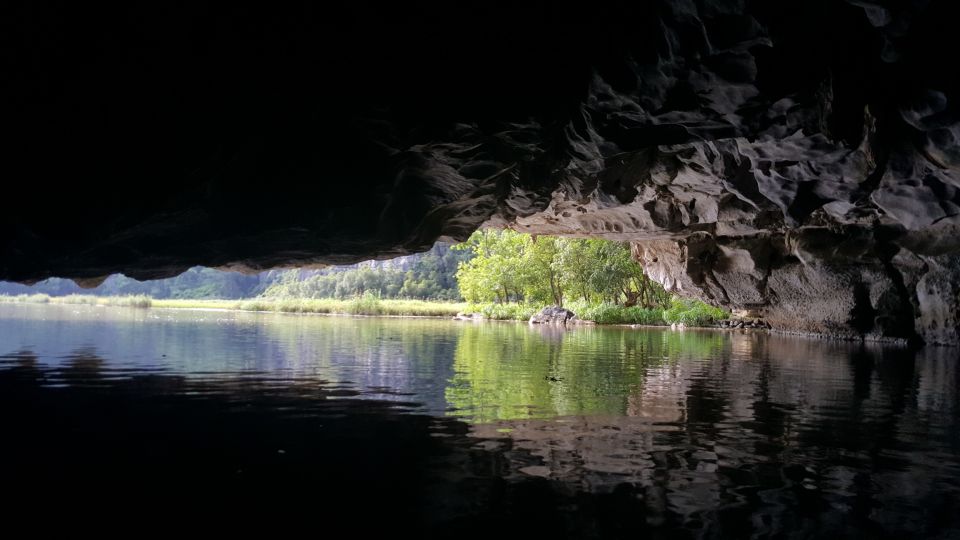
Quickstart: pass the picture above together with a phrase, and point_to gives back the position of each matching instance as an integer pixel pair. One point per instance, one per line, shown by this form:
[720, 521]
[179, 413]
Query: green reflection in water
[510, 372]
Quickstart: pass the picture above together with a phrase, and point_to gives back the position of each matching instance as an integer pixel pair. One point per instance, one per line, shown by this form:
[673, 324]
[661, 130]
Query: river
[464, 429]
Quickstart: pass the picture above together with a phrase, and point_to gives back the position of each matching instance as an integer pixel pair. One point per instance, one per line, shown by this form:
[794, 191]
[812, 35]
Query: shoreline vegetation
[493, 275]
[365, 305]
[686, 312]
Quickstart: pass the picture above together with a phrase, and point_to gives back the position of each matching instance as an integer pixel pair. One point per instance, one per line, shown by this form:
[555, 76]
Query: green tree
[512, 266]
[539, 271]
[494, 273]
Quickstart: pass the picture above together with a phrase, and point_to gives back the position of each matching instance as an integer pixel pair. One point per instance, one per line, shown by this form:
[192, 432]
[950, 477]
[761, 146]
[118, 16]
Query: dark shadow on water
[748, 445]
[94, 447]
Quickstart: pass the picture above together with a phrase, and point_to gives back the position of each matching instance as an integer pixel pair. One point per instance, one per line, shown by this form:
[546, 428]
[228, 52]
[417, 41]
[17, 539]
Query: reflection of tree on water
[131, 448]
[552, 333]
[219, 448]
[511, 372]
[83, 365]
[714, 433]
[774, 436]
[20, 370]
[22, 361]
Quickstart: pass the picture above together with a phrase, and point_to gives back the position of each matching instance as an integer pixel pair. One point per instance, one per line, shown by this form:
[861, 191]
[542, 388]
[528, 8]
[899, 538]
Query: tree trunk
[555, 291]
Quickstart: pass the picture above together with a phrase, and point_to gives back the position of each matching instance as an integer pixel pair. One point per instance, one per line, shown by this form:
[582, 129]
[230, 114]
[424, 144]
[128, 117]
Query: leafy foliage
[505, 312]
[512, 267]
[506, 372]
[505, 275]
[607, 313]
[693, 313]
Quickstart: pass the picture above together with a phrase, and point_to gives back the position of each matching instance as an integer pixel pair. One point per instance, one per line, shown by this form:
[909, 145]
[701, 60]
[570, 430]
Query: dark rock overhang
[750, 150]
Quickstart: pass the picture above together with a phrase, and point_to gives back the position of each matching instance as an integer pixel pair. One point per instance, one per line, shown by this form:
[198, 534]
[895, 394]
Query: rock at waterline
[554, 315]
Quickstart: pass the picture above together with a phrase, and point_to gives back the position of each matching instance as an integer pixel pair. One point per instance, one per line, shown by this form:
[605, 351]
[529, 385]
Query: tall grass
[25, 299]
[614, 314]
[599, 313]
[505, 312]
[693, 313]
[365, 305]
[179, 303]
[84, 299]
[687, 312]
[139, 301]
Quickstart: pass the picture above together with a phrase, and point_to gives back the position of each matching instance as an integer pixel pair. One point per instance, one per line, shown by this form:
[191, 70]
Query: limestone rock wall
[817, 282]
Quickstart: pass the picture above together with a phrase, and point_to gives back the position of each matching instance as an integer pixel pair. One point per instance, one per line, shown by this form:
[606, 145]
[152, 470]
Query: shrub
[420, 308]
[137, 301]
[368, 304]
[640, 315]
[255, 305]
[505, 312]
[84, 299]
[607, 313]
[287, 306]
[693, 313]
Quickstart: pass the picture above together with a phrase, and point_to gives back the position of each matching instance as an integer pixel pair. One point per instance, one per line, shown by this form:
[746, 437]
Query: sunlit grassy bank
[688, 312]
[360, 306]
[367, 305]
[140, 301]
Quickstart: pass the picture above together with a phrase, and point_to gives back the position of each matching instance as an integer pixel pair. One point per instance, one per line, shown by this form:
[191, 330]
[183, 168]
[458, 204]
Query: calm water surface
[454, 429]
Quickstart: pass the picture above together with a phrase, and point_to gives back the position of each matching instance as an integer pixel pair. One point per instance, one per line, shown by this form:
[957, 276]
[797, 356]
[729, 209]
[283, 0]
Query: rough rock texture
[799, 157]
[817, 281]
[553, 315]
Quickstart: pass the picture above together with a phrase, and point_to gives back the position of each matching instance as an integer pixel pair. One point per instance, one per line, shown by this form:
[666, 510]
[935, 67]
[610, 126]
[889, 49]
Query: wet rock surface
[744, 323]
[798, 158]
